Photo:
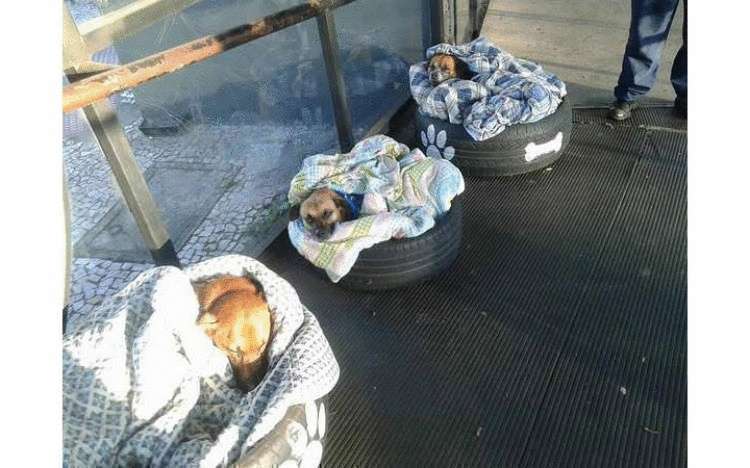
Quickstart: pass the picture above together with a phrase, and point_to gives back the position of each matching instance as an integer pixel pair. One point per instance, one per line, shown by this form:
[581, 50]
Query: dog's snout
[437, 77]
[323, 233]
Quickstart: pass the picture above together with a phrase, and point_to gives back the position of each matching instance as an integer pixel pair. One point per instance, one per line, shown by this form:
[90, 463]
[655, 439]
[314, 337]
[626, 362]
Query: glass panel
[378, 42]
[218, 142]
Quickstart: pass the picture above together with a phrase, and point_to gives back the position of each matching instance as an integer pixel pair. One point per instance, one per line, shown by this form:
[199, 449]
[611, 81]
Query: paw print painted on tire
[306, 448]
[435, 145]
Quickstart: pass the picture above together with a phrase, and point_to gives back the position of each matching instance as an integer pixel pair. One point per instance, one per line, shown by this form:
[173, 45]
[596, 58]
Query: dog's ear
[343, 208]
[294, 213]
[462, 69]
[258, 287]
[207, 322]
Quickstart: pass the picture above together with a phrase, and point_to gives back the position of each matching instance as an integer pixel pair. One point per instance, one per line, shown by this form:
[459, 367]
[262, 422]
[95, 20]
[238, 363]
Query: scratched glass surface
[218, 142]
[379, 39]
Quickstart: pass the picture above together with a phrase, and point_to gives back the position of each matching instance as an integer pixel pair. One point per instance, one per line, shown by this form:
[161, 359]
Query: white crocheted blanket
[143, 386]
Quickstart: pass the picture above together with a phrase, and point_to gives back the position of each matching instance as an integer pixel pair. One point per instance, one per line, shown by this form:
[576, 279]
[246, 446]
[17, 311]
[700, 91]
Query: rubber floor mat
[558, 337]
[663, 118]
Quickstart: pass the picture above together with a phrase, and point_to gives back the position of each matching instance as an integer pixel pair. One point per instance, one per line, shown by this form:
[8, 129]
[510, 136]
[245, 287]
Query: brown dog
[443, 67]
[321, 211]
[235, 315]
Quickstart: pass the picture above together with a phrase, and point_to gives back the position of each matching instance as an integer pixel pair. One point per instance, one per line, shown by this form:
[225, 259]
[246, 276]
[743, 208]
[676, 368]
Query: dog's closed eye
[327, 213]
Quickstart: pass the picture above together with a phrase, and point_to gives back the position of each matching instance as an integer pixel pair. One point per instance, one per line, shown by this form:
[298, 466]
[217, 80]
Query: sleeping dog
[443, 67]
[235, 315]
[324, 208]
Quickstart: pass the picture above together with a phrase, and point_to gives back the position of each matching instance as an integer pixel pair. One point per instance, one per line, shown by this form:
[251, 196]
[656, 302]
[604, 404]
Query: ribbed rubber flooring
[648, 117]
[558, 338]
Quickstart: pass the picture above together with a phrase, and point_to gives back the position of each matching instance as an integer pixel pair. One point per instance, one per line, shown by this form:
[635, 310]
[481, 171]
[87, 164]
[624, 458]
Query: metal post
[332, 57]
[444, 21]
[111, 137]
[114, 144]
[481, 13]
[473, 26]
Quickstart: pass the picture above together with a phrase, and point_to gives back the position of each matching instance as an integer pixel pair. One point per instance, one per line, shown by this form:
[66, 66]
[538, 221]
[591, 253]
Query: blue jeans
[650, 22]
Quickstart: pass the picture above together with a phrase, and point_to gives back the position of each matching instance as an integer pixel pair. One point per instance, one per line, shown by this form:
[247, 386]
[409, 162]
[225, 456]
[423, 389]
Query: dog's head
[443, 67]
[321, 211]
[235, 316]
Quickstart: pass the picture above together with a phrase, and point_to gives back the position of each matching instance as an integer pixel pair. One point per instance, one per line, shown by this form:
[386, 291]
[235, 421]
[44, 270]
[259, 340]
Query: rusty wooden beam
[92, 89]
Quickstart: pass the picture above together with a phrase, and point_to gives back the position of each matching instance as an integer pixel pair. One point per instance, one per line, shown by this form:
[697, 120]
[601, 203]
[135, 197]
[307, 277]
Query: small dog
[443, 67]
[235, 315]
[324, 208]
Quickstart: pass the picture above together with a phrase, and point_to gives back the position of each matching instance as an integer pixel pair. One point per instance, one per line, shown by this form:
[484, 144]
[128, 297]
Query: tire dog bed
[296, 441]
[403, 262]
[144, 386]
[519, 149]
[403, 195]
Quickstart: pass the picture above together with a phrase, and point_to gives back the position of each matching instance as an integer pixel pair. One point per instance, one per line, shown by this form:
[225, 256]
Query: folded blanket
[144, 386]
[404, 192]
[504, 91]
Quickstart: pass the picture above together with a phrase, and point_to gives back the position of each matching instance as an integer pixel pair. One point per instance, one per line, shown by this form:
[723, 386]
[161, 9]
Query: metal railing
[106, 83]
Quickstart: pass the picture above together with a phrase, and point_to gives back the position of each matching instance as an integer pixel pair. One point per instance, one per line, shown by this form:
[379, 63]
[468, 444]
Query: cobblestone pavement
[93, 280]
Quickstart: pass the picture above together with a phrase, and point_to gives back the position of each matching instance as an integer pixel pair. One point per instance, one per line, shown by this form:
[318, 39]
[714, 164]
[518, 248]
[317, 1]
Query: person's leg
[680, 71]
[650, 21]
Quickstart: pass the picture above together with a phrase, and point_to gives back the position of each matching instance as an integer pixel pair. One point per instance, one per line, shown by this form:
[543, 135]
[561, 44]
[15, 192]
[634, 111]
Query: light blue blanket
[504, 90]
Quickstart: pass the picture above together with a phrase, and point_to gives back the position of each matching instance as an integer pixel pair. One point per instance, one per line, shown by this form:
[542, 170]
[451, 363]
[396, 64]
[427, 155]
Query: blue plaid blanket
[504, 90]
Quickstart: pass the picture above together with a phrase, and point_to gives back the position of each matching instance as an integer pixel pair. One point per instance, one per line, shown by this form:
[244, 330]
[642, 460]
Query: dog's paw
[435, 145]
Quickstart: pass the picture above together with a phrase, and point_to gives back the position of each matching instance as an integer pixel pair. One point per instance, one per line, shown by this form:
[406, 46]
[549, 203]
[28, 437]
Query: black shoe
[621, 110]
[680, 107]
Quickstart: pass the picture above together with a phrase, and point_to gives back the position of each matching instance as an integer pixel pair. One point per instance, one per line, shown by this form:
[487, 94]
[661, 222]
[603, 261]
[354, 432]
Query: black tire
[275, 448]
[504, 154]
[403, 262]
